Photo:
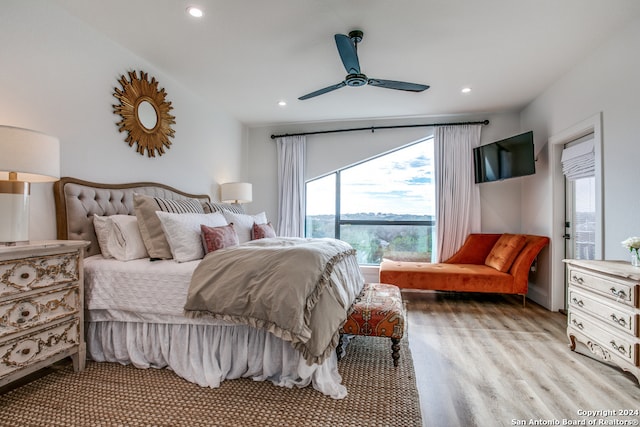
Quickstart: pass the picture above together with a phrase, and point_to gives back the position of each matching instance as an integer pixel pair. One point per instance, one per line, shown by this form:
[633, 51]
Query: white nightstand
[41, 306]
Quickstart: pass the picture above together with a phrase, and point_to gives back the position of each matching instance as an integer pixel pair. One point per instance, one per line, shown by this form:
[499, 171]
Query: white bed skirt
[208, 354]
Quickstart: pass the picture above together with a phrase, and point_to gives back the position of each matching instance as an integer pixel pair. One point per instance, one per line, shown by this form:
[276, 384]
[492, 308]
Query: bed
[136, 308]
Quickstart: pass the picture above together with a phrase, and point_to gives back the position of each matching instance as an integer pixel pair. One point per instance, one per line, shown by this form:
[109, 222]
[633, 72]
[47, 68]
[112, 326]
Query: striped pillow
[150, 227]
[211, 207]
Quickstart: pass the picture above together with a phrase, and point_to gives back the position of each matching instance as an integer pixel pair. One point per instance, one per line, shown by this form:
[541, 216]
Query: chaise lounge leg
[524, 300]
[339, 348]
[395, 350]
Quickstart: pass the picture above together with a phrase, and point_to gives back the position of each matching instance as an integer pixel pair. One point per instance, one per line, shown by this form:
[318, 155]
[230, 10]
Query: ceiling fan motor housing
[356, 36]
[356, 80]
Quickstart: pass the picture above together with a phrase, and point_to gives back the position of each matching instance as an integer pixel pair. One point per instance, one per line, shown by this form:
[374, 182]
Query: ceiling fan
[348, 50]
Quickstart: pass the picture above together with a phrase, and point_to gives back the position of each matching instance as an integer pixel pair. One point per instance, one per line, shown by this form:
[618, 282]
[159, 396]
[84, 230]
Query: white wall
[58, 76]
[605, 82]
[500, 201]
[327, 152]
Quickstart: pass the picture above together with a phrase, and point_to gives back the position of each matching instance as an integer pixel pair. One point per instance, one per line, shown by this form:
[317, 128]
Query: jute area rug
[109, 394]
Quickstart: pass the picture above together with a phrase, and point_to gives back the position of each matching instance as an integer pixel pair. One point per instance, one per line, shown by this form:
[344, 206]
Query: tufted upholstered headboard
[76, 202]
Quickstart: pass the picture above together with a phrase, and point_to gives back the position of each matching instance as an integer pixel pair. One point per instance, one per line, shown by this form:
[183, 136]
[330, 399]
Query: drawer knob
[578, 325]
[24, 276]
[578, 279]
[25, 313]
[620, 321]
[620, 294]
[620, 349]
[578, 302]
[25, 351]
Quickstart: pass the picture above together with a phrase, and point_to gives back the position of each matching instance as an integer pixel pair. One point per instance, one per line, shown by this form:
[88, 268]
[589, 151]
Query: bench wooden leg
[395, 350]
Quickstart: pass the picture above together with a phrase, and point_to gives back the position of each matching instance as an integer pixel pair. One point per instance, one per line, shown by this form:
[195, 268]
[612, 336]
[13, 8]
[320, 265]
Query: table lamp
[26, 156]
[236, 192]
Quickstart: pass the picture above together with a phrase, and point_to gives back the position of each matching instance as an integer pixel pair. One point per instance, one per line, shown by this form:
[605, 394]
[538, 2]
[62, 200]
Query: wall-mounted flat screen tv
[507, 158]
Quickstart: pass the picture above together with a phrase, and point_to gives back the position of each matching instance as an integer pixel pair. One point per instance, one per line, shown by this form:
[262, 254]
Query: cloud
[398, 182]
[420, 180]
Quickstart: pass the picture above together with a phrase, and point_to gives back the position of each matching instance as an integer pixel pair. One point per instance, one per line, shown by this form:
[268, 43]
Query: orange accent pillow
[505, 251]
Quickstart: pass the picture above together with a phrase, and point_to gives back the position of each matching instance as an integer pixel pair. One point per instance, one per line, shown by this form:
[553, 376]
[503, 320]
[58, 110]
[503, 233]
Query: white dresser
[604, 310]
[41, 306]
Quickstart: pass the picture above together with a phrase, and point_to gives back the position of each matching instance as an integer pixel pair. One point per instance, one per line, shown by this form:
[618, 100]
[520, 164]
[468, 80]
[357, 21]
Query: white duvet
[135, 314]
[138, 291]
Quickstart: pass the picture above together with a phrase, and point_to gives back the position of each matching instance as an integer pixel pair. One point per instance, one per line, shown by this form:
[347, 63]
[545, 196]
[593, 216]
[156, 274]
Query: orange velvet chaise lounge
[495, 263]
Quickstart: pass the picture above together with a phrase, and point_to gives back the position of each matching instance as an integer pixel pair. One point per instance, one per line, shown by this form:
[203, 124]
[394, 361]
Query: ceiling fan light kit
[348, 49]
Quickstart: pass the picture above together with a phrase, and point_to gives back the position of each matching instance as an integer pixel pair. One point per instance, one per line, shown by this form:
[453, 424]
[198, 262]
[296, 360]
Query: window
[578, 165]
[383, 207]
[584, 218]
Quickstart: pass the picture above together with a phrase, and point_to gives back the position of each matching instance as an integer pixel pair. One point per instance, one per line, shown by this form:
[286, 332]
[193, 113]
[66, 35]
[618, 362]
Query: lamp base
[14, 212]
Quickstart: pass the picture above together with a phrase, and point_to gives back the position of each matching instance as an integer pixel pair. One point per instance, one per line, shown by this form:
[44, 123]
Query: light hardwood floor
[484, 360]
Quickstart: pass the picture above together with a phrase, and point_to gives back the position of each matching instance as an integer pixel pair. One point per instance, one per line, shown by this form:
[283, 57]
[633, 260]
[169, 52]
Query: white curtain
[579, 159]
[457, 195]
[291, 159]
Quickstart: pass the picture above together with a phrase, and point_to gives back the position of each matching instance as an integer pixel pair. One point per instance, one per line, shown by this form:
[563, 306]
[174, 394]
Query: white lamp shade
[33, 155]
[236, 192]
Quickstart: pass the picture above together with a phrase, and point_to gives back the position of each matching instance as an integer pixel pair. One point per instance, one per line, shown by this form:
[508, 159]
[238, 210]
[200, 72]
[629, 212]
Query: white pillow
[243, 224]
[183, 232]
[125, 241]
[119, 237]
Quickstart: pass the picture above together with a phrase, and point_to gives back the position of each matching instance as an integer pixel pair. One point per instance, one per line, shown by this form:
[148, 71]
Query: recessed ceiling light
[466, 90]
[282, 103]
[194, 11]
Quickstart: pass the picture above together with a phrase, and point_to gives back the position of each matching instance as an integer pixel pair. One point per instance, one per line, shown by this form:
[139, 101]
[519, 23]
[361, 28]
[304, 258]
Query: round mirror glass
[147, 115]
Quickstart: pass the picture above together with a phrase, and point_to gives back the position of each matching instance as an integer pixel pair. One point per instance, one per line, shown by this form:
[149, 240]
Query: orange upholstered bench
[378, 312]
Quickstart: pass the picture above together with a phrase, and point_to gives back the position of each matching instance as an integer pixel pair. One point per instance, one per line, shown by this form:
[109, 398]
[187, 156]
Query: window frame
[338, 214]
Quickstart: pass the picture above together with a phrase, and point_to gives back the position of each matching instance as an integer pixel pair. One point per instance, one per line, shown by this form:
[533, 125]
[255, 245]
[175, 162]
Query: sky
[393, 183]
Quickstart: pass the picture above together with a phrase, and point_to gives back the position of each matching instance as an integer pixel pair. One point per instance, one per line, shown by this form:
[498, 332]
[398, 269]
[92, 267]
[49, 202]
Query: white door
[592, 125]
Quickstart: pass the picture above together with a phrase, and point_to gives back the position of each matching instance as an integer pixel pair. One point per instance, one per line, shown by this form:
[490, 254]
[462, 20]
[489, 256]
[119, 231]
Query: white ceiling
[246, 55]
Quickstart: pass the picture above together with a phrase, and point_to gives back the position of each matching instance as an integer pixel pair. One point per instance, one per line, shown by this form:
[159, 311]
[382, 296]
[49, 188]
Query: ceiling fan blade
[321, 91]
[348, 53]
[393, 84]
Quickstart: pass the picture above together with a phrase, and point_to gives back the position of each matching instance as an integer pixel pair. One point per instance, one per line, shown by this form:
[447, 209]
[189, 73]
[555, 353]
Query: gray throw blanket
[287, 286]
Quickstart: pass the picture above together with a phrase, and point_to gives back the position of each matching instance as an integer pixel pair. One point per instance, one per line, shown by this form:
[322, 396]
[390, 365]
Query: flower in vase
[633, 244]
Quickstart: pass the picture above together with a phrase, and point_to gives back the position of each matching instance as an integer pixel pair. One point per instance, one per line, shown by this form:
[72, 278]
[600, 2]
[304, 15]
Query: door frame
[556, 145]
[568, 207]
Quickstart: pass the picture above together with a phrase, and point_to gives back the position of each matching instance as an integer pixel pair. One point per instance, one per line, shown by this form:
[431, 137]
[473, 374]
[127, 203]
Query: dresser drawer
[30, 349]
[37, 272]
[20, 314]
[615, 289]
[615, 315]
[609, 342]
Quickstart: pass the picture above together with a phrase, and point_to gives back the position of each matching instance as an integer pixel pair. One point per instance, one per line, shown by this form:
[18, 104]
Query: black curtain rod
[374, 128]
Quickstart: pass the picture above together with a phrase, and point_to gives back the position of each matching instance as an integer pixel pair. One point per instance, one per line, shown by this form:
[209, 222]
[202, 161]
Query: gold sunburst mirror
[145, 114]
